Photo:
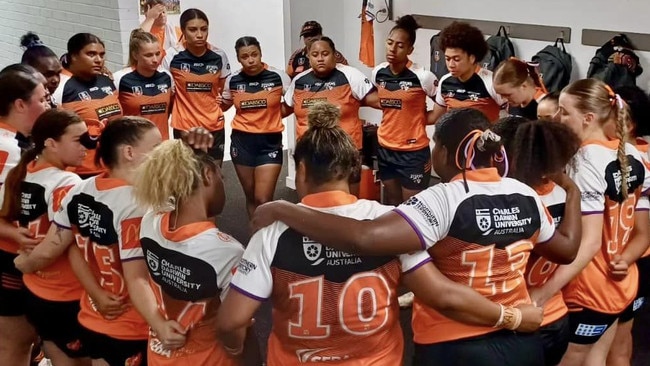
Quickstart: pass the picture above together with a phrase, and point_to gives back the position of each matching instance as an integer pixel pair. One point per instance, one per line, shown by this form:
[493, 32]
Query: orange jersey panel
[258, 100]
[94, 103]
[147, 97]
[403, 99]
[477, 92]
[197, 81]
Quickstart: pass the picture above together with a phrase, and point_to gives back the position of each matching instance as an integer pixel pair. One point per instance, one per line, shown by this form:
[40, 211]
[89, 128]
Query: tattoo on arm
[59, 236]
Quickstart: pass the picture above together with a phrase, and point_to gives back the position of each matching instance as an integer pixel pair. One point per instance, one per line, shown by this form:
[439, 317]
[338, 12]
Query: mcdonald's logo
[131, 233]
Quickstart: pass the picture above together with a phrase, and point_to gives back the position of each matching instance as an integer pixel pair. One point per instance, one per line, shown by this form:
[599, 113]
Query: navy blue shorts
[587, 326]
[643, 264]
[115, 351]
[255, 149]
[555, 340]
[56, 322]
[13, 293]
[412, 168]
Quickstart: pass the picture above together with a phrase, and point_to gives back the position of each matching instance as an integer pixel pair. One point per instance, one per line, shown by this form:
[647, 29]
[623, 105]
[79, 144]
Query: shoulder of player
[446, 78]
[9, 143]
[305, 74]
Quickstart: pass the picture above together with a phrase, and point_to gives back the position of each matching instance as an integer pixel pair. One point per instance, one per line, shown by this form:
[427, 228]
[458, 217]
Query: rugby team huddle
[531, 251]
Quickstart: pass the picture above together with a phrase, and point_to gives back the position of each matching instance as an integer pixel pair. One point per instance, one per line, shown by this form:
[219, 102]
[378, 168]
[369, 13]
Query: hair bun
[407, 22]
[323, 115]
[30, 40]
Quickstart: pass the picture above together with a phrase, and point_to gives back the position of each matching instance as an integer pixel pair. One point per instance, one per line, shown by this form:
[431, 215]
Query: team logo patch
[137, 90]
[107, 90]
[301, 61]
[473, 97]
[436, 56]
[382, 85]
[153, 262]
[588, 330]
[185, 67]
[405, 85]
[307, 87]
[312, 251]
[212, 69]
[84, 95]
[484, 220]
[241, 88]
[273, 154]
[163, 88]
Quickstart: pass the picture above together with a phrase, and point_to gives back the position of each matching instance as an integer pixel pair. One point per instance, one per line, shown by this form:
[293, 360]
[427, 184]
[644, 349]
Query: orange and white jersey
[94, 102]
[328, 306]
[477, 92]
[540, 269]
[197, 81]
[168, 36]
[148, 97]
[106, 221]
[257, 99]
[9, 157]
[481, 238]
[345, 88]
[403, 99]
[644, 149]
[597, 174]
[41, 194]
[190, 270]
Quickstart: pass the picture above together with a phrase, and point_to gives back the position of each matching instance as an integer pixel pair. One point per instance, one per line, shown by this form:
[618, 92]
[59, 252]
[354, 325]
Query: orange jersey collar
[328, 199]
[480, 175]
[184, 232]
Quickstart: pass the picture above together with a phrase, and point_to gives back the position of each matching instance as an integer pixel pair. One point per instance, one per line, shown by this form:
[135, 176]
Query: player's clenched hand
[25, 239]
[618, 268]
[198, 138]
[266, 214]
[531, 317]
[170, 333]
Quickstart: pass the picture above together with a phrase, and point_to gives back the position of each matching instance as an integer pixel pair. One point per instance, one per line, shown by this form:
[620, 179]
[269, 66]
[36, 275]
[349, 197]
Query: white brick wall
[55, 21]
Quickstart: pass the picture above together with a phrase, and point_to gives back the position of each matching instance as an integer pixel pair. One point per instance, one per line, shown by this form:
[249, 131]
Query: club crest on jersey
[301, 61]
[163, 88]
[307, 87]
[436, 56]
[331, 85]
[107, 90]
[484, 220]
[382, 85]
[153, 262]
[185, 67]
[212, 69]
[137, 90]
[405, 85]
[473, 97]
[84, 95]
[312, 251]
[241, 88]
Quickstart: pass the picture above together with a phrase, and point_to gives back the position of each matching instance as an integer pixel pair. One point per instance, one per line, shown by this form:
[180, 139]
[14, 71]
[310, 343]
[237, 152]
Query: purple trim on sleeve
[587, 213]
[642, 209]
[418, 266]
[132, 259]
[413, 226]
[246, 293]
[61, 226]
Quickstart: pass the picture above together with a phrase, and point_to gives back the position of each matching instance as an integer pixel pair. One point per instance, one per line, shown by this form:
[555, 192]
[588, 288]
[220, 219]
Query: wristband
[512, 318]
[499, 322]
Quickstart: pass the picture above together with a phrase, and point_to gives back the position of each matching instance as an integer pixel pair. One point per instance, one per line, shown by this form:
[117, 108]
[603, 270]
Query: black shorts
[555, 340]
[12, 289]
[255, 149]
[216, 151]
[115, 351]
[643, 264]
[412, 168]
[56, 321]
[587, 326]
[501, 348]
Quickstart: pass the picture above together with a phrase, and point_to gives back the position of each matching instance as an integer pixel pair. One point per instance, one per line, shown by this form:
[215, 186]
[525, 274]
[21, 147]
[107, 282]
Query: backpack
[500, 49]
[438, 65]
[615, 63]
[555, 66]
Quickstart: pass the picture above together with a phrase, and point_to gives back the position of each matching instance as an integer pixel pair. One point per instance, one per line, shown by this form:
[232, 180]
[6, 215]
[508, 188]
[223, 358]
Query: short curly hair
[465, 37]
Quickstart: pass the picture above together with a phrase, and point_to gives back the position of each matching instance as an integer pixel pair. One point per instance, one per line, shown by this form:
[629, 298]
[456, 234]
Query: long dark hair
[122, 131]
[17, 81]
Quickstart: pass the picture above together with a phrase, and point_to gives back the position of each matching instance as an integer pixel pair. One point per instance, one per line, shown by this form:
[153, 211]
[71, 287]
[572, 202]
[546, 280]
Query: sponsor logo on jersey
[88, 218]
[312, 356]
[223, 236]
[245, 266]
[198, 87]
[311, 101]
[156, 346]
[153, 261]
[108, 111]
[151, 85]
[423, 209]
[253, 104]
[416, 178]
[590, 196]
[501, 221]
[638, 303]
[156, 108]
[212, 69]
[273, 154]
[268, 86]
[84, 95]
[312, 251]
[137, 90]
[392, 103]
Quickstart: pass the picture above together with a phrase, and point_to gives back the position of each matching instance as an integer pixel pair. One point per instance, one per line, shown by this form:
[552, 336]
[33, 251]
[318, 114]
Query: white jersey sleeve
[427, 79]
[288, 94]
[591, 183]
[439, 99]
[359, 83]
[127, 222]
[253, 277]
[486, 76]
[118, 75]
[286, 80]
[226, 94]
[429, 214]
[547, 226]
[375, 71]
[225, 70]
[229, 256]
[171, 52]
[9, 156]
[411, 262]
[61, 217]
